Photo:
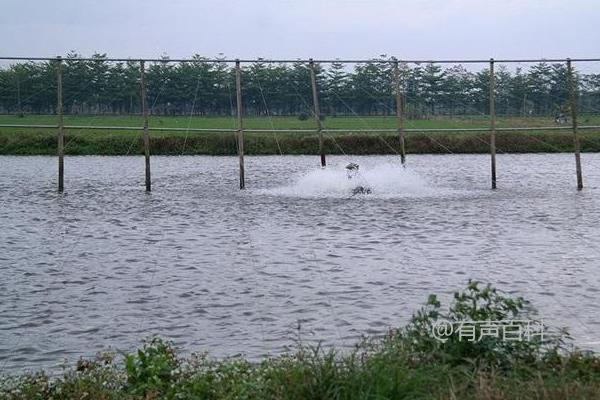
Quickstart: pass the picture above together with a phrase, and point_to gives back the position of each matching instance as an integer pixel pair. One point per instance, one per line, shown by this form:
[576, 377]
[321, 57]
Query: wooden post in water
[146, 137]
[61, 129]
[240, 122]
[317, 110]
[573, 107]
[493, 121]
[399, 112]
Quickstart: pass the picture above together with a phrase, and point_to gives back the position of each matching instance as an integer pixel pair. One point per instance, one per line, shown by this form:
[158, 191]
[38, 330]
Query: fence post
[399, 112]
[240, 125]
[573, 107]
[19, 104]
[61, 130]
[146, 136]
[317, 110]
[493, 122]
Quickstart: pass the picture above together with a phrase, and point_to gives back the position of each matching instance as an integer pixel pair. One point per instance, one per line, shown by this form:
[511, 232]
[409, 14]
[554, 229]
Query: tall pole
[240, 122]
[573, 107]
[493, 122]
[19, 105]
[146, 136]
[61, 124]
[399, 112]
[317, 110]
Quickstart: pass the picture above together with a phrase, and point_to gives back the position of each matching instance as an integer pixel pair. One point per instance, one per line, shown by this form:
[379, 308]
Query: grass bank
[409, 363]
[42, 141]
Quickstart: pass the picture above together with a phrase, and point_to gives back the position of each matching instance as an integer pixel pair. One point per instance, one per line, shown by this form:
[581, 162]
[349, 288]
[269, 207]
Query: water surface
[293, 257]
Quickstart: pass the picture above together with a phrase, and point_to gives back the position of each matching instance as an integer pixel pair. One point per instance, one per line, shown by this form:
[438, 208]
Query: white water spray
[384, 180]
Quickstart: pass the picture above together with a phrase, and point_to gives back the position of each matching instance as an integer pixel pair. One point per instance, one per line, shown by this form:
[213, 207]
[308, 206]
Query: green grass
[408, 363]
[30, 141]
[341, 122]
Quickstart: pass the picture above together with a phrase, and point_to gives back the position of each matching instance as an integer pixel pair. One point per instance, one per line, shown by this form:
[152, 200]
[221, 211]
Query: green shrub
[475, 306]
[151, 369]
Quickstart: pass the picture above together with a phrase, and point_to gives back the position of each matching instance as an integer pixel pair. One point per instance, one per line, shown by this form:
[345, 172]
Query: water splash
[384, 180]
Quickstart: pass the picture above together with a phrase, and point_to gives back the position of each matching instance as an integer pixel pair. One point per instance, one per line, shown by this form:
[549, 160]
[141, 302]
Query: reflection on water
[233, 272]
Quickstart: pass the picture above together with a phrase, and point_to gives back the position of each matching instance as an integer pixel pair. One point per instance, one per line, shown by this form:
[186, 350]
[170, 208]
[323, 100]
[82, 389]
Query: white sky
[408, 29]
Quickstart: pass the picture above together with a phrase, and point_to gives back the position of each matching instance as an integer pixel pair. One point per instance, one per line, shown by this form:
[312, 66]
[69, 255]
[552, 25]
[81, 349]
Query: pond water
[293, 257]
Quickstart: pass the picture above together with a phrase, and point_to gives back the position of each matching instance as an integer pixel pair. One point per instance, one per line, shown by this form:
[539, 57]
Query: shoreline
[418, 360]
[219, 144]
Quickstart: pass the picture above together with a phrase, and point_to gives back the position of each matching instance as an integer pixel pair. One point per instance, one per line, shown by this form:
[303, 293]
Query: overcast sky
[408, 29]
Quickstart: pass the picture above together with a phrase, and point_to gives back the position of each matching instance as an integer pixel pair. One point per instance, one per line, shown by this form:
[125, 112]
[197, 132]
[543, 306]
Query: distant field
[118, 142]
[288, 122]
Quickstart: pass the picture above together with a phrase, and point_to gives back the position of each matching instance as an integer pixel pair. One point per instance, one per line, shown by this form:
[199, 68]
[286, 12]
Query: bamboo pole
[240, 122]
[146, 136]
[317, 111]
[573, 107]
[268, 130]
[493, 122]
[19, 104]
[61, 124]
[399, 112]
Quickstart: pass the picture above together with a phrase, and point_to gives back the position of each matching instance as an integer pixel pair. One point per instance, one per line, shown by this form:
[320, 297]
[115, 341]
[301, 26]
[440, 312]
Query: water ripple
[294, 256]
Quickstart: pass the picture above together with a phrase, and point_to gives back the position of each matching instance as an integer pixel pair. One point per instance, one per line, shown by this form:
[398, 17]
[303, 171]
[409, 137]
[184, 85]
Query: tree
[205, 87]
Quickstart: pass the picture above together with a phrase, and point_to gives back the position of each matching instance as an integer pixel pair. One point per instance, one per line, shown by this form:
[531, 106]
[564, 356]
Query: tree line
[208, 88]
